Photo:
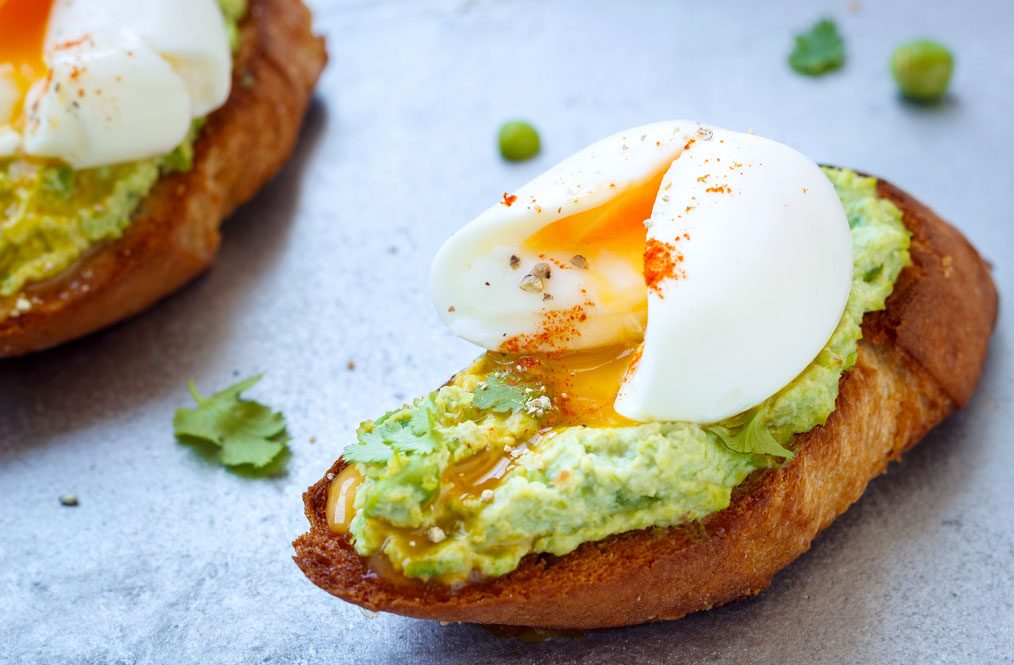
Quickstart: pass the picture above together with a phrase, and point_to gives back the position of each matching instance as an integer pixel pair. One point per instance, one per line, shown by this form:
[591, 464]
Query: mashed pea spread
[50, 215]
[474, 476]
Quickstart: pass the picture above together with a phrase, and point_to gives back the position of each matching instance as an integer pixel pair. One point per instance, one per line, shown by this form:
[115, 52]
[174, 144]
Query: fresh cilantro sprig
[246, 432]
[495, 394]
[405, 431]
[819, 50]
[749, 434]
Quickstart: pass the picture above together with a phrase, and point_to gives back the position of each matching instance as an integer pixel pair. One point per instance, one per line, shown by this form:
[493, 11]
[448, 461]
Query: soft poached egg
[99, 82]
[671, 272]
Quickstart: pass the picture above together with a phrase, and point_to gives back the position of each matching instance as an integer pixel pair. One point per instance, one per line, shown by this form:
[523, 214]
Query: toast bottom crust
[943, 305]
[173, 236]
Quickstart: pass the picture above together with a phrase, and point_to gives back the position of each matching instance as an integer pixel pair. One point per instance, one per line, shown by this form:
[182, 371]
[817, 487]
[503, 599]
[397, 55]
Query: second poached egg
[100, 82]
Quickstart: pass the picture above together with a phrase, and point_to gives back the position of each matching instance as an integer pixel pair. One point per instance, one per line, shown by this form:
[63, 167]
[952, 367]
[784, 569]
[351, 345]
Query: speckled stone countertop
[321, 284]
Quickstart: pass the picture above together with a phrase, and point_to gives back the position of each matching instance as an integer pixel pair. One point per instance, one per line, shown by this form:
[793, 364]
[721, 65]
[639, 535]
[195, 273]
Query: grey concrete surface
[171, 559]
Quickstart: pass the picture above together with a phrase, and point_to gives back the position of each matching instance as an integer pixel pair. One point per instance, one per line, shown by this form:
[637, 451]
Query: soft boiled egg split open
[98, 82]
[724, 257]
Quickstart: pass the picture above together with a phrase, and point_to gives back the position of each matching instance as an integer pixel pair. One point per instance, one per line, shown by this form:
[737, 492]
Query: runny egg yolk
[585, 383]
[616, 226]
[22, 36]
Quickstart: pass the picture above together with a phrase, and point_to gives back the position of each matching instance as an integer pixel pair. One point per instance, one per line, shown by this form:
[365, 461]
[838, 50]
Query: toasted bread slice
[174, 234]
[918, 360]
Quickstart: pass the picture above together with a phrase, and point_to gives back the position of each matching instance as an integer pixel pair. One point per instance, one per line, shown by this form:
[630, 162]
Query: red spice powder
[720, 189]
[558, 327]
[526, 364]
[509, 199]
[661, 262]
[63, 46]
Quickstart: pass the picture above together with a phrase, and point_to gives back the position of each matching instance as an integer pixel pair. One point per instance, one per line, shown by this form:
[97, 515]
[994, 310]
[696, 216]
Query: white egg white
[763, 267]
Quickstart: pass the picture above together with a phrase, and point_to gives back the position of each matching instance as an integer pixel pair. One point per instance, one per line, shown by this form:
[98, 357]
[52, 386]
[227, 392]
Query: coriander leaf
[371, 452]
[405, 441]
[752, 438]
[497, 395]
[818, 51]
[408, 431]
[247, 432]
[421, 422]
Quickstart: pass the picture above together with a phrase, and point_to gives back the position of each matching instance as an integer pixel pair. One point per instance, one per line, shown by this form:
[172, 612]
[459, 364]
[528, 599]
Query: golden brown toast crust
[174, 234]
[918, 360]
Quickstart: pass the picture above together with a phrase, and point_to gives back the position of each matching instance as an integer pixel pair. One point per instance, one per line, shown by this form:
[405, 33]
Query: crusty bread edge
[174, 234]
[898, 390]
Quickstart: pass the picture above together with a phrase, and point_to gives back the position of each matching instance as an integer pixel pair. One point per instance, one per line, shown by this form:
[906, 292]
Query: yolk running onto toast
[340, 496]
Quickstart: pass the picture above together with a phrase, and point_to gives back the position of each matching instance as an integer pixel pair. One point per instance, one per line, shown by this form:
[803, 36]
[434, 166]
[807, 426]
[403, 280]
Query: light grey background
[170, 559]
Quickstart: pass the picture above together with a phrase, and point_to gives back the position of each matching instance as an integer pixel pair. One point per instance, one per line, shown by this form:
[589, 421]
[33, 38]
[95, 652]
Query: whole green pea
[518, 141]
[922, 69]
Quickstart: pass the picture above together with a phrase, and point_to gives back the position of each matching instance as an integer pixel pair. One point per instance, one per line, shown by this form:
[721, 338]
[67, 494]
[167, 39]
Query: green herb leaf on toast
[405, 431]
[749, 434]
[371, 452]
[495, 394]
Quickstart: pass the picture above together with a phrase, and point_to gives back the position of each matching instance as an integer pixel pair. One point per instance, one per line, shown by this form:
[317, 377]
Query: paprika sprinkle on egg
[661, 262]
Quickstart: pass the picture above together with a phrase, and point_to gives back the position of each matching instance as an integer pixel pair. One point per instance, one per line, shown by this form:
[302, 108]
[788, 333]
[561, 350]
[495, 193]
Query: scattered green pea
[922, 69]
[518, 141]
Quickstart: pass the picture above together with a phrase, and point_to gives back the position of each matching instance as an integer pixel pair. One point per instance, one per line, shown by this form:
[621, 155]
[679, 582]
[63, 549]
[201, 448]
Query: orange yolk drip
[467, 477]
[583, 384]
[340, 496]
[478, 472]
[22, 35]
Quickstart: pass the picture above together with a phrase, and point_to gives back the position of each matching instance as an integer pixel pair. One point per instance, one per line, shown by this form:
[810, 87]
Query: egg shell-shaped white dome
[761, 259]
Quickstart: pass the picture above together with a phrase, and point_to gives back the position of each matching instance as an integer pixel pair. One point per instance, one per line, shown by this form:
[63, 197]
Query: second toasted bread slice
[174, 234]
